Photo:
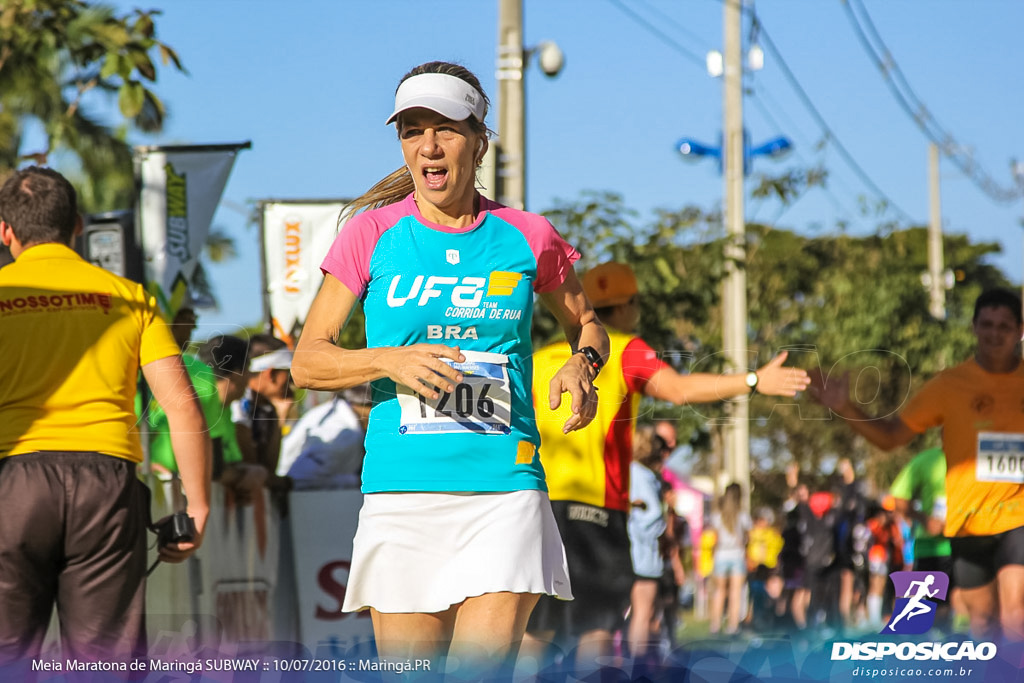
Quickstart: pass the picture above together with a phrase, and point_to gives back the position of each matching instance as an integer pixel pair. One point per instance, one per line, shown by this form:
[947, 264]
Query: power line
[762, 100]
[671, 42]
[676, 25]
[918, 112]
[830, 136]
[757, 26]
[757, 97]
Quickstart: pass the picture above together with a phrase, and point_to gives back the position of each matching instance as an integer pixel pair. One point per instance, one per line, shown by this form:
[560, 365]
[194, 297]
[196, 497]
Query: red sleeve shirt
[639, 363]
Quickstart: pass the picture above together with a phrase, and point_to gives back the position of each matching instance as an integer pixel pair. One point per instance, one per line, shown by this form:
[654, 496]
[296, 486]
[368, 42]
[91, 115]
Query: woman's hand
[420, 368]
[577, 378]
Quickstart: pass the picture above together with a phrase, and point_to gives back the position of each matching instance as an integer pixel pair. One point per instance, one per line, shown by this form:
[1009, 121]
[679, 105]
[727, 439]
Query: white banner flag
[296, 237]
[180, 187]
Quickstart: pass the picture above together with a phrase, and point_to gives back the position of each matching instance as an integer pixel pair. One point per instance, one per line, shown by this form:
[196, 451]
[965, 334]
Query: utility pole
[936, 280]
[734, 290]
[511, 106]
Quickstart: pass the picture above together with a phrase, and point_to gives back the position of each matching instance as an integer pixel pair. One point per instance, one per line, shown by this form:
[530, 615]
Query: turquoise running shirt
[471, 288]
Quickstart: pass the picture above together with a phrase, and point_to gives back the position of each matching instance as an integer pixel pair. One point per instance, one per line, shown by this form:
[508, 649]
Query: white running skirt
[424, 552]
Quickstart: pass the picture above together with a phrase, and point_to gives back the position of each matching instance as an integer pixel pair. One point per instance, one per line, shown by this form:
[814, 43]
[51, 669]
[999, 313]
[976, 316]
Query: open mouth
[435, 176]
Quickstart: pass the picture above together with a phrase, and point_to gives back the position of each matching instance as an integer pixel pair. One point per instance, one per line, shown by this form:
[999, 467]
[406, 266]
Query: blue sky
[310, 83]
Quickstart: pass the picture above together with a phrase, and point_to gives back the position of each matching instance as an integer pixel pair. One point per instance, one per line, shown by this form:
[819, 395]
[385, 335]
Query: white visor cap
[449, 96]
[280, 359]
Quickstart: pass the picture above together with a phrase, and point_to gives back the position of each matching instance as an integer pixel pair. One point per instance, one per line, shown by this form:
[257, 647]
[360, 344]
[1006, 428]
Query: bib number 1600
[1000, 457]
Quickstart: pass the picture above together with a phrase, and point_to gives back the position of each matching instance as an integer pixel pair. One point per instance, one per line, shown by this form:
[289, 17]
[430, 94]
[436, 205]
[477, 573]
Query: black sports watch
[594, 359]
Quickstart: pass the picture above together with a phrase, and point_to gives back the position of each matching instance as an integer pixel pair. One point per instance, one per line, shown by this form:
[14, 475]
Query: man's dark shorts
[73, 531]
[977, 559]
[937, 563]
[600, 572]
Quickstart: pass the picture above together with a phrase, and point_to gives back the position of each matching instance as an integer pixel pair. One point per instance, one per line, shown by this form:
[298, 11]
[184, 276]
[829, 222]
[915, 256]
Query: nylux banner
[296, 236]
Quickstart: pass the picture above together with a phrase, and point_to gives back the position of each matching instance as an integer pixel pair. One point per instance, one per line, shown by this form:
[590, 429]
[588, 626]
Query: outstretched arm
[773, 379]
[886, 433]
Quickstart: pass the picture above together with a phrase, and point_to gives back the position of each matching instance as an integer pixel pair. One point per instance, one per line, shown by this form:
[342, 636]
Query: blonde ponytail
[394, 187]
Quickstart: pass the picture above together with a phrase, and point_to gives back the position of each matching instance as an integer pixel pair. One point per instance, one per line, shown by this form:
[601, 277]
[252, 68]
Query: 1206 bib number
[480, 403]
[462, 401]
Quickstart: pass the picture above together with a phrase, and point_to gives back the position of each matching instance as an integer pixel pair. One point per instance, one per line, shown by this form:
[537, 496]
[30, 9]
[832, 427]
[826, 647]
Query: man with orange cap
[588, 470]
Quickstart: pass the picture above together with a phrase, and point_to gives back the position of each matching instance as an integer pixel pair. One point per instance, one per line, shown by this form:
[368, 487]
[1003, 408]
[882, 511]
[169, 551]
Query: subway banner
[179, 189]
[295, 235]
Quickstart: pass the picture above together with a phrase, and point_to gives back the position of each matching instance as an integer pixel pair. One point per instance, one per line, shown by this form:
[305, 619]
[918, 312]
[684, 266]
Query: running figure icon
[915, 606]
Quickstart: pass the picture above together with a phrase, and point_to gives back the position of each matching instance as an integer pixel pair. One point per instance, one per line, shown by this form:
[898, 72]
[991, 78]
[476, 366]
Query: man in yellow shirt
[980, 406]
[73, 529]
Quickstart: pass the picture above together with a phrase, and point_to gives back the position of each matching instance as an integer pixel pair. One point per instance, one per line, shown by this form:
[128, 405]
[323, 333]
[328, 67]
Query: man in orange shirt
[980, 406]
[73, 529]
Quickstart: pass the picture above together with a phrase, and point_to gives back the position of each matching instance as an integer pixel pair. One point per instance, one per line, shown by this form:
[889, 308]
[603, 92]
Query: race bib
[481, 403]
[1000, 457]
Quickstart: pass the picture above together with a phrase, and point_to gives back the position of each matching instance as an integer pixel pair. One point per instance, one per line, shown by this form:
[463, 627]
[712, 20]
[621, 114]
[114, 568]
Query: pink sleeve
[554, 255]
[348, 259]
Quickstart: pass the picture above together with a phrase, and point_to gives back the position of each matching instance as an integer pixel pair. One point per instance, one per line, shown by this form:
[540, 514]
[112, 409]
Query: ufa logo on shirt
[914, 611]
[467, 291]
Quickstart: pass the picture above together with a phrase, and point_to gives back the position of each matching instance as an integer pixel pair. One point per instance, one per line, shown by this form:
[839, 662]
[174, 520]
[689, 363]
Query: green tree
[55, 55]
[58, 56]
[850, 302]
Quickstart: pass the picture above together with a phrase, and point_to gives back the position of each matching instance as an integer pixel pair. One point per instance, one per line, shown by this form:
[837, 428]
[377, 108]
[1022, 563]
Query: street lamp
[513, 58]
[774, 148]
[692, 149]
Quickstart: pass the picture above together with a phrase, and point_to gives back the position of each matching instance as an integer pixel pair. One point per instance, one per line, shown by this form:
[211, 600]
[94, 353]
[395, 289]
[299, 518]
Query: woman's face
[442, 156]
